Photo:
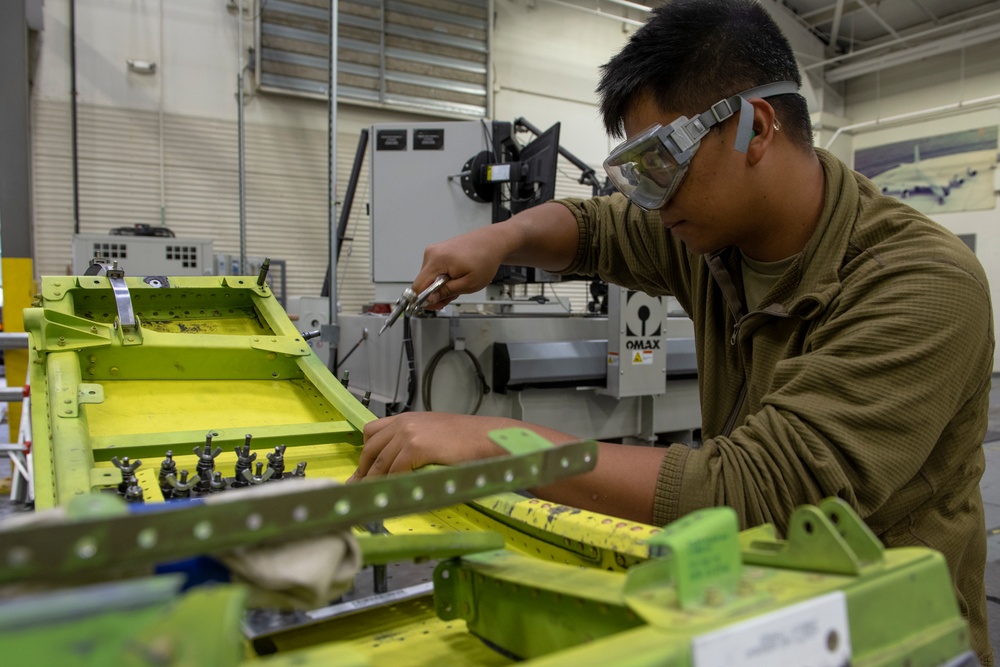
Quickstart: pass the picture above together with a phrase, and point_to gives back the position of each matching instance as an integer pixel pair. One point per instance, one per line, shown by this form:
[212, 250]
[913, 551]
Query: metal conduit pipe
[13, 341]
[914, 115]
[331, 331]
[241, 176]
[73, 117]
[632, 5]
[595, 12]
[11, 394]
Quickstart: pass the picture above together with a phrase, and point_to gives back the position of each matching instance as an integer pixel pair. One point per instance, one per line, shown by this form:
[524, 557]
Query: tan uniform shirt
[864, 372]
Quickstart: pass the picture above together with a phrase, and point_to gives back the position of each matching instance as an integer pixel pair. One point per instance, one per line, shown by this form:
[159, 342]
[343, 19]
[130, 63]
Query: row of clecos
[176, 485]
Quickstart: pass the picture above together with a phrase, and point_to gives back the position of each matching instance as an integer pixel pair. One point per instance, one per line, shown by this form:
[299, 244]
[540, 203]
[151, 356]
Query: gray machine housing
[568, 395]
[637, 343]
[566, 371]
[146, 255]
[172, 256]
[417, 197]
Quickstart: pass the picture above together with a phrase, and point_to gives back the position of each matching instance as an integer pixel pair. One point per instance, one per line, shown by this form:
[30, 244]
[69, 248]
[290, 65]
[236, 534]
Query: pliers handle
[409, 301]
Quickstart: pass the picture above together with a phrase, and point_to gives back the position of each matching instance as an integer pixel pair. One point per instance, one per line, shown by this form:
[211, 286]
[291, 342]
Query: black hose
[364, 337]
[429, 376]
[411, 380]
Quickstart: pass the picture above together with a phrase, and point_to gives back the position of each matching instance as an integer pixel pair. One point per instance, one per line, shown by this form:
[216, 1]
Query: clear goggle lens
[644, 170]
[649, 167]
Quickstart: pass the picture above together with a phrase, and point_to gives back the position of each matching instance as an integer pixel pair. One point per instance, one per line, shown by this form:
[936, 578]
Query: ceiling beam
[825, 14]
[944, 45]
[838, 14]
[909, 37]
[878, 19]
[923, 7]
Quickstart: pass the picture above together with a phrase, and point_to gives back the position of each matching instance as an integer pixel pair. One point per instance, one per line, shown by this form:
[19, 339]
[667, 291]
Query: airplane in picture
[908, 180]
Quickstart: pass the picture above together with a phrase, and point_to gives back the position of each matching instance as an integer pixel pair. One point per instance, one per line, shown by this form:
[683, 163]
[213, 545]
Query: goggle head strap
[687, 133]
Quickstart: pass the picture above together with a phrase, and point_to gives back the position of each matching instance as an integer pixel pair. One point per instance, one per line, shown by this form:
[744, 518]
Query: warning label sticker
[498, 172]
[642, 357]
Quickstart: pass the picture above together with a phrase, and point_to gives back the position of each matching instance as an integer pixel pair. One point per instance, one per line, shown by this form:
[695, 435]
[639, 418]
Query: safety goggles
[649, 167]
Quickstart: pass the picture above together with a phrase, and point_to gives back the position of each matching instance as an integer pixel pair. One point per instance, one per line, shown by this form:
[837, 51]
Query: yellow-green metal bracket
[76, 348]
[828, 538]
[901, 609]
[279, 512]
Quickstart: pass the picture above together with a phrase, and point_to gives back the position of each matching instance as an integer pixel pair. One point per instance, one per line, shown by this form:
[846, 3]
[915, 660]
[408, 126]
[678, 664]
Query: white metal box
[417, 197]
[146, 255]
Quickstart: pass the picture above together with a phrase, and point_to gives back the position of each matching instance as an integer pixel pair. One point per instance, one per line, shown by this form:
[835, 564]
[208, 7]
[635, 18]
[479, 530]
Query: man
[844, 340]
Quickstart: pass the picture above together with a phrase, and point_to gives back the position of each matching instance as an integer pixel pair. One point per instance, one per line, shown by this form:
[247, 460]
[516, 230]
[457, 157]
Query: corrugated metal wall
[120, 185]
[286, 180]
[411, 54]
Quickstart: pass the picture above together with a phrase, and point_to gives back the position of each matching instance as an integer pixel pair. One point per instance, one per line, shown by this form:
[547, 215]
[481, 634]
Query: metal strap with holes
[278, 513]
[123, 299]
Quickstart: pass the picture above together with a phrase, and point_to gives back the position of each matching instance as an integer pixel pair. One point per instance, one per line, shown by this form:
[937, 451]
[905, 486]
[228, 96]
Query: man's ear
[765, 129]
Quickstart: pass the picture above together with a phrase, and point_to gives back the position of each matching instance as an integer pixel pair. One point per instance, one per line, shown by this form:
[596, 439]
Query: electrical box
[145, 255]
[637, 346]
[417, 196]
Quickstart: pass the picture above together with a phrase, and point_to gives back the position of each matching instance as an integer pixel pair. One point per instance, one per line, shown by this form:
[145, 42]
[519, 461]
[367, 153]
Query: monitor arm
[587, 175]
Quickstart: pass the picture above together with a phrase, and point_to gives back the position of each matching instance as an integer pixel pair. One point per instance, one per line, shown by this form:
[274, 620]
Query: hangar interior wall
[162, 148]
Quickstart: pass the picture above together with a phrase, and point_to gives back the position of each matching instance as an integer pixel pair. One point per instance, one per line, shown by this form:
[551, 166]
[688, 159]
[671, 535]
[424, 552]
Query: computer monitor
[513, 178]
[539, 159]
[537, 185]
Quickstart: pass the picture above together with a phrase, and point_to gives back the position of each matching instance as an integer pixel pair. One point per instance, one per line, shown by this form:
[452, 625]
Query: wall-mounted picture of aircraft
[952, 172]
[910, 180]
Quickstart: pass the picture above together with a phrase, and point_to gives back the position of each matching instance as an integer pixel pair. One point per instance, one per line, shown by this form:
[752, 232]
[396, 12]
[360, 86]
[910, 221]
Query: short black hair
[692, 53]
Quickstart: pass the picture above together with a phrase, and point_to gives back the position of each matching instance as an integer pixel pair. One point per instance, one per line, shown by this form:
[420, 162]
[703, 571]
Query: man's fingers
[444, 302]
[441, 298]
[428, 274]
[377, 436]
[373, 427]
[390, 447]
[405, 461]
[383, 463]
[453, 289]
[395, 458]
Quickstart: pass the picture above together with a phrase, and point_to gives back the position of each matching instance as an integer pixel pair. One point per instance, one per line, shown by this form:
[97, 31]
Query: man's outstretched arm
[622, 484]
[545, 237]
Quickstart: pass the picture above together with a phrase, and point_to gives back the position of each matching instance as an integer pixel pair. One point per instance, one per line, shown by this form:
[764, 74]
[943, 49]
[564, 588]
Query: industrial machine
[430, 182]
[146, 254]
[625, 370]
[142, 392]
[155, 251]
[588, 374]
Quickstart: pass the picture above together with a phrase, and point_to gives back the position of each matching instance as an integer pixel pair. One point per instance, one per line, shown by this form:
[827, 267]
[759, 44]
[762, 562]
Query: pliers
[409, 301]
